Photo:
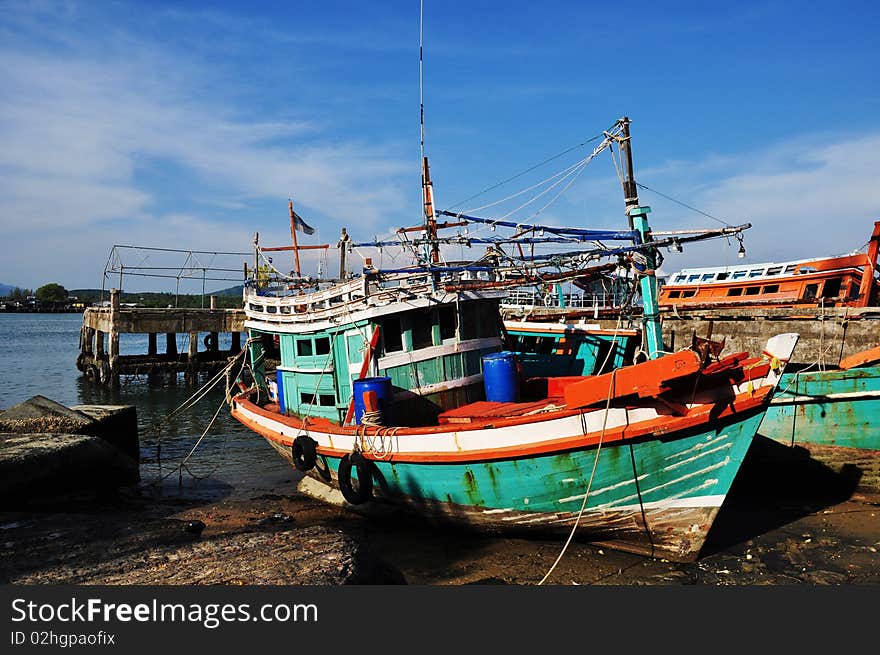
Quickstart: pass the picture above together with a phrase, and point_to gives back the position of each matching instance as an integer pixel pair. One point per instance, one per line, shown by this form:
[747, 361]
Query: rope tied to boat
[592, 475]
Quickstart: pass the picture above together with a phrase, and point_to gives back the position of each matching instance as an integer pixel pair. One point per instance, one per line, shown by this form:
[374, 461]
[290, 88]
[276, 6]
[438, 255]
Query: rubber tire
[210, 342]
[305, 454]
[365, 478]
[324, 469]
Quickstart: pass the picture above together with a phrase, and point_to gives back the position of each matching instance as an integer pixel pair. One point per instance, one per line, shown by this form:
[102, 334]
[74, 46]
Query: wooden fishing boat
[833, 414]
[392, 388]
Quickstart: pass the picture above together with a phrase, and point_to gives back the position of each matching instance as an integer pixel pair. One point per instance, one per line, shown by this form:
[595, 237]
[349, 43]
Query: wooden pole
[114, 329]
[630, 190]
[430, 218]
[343, 246]
[293, 234]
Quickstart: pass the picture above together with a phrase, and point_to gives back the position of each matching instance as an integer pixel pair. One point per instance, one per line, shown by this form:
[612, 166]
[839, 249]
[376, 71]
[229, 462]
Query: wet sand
[800, 524]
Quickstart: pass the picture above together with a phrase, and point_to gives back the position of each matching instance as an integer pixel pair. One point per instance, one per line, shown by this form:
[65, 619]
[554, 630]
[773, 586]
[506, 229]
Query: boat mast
[293, 234]
[638, 220]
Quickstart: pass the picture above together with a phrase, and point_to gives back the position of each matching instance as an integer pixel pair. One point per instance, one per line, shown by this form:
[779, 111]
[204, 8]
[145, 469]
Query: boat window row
[737, 274]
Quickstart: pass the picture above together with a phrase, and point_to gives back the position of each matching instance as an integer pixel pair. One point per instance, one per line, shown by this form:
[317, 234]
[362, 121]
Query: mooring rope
[592, 475]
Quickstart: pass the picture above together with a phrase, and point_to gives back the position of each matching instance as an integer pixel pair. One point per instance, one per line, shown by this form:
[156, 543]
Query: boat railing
[595, 300]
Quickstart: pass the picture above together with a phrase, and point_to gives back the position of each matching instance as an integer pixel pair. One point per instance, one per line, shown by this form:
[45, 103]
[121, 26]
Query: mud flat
[806, 527]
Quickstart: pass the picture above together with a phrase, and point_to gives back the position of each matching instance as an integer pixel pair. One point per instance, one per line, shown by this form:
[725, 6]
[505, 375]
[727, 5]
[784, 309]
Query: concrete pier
[100, 357]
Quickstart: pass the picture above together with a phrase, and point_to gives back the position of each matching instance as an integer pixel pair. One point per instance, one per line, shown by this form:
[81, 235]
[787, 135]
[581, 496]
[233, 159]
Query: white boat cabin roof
[742, 272]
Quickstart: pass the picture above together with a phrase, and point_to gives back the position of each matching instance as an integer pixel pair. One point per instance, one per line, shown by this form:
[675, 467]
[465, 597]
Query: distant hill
[6, 289]
[231, 291]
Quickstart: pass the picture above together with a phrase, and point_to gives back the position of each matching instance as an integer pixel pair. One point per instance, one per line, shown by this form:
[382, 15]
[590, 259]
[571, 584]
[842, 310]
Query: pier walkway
[100, 357]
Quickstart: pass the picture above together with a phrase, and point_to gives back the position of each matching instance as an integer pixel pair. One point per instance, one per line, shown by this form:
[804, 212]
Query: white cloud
[86, 120]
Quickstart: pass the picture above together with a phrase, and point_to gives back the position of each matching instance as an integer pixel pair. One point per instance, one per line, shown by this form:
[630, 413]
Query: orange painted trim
[660, 427]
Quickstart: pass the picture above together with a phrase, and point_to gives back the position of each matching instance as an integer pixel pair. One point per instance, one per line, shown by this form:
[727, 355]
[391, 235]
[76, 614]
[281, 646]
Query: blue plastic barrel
[384, 393]
[279, 382]
[501, 377]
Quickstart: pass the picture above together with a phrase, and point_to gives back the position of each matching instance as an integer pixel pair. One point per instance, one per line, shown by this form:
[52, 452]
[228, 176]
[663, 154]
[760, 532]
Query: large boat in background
[844, 281]
[392, 387]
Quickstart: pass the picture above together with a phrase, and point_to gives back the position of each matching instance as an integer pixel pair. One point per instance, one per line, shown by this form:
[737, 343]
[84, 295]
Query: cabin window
[392, 335]
[256, 308]
[832, 287]
[272, 309]
[468, 321]
[707, 277]
[774, 270]
[422, 330]
[738, 274]
[322, 346]
[722, 276]
[803, 270]
[674, 294]
[285, 309]
[811, 291]
[447, 322]
[753, 291]
[321, 399]
[736, 291]
[694, 278]
[756, 272]
[790, 268]
[545, 345]
[771, 288]
[853, 291]
[487, 320]
[688, 294]
[680, 278]
[304, 348]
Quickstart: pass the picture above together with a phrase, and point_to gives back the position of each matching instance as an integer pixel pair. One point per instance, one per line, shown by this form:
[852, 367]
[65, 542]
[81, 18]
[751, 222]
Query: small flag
[301, 225]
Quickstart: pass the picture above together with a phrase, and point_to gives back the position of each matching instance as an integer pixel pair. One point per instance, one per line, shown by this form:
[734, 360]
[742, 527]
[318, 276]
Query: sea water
[38, 357]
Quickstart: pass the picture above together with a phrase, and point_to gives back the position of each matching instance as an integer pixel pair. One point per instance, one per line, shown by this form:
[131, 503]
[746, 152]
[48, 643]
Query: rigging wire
[679, 202]
[529, 170]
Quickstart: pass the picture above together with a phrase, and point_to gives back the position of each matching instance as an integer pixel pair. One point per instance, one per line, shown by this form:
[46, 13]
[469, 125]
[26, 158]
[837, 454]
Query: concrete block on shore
[116, 424]
[46, 465]
[47, 449]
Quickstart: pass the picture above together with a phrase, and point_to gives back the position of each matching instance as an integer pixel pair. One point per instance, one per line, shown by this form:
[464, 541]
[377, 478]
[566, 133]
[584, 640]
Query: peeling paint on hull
[835, 415]
[654, 497]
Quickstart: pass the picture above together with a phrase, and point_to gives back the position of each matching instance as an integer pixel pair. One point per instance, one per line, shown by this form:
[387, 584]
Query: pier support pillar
[171, 345]
[193, 356]
[236, 343]
[113, 372]
[152, 346]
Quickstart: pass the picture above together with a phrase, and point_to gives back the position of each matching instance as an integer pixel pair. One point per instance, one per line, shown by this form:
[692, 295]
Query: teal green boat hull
[835, 416]
[656, 496]
[829, 408]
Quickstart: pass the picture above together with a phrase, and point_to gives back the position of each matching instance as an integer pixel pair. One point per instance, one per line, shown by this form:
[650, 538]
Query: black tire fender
[365, 478]
[305, 454]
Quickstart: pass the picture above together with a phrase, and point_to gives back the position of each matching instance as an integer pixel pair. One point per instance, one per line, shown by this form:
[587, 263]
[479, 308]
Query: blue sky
[190, 124]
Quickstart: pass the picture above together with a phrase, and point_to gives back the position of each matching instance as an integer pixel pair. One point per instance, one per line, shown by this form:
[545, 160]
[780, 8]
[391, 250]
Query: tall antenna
[421, 85]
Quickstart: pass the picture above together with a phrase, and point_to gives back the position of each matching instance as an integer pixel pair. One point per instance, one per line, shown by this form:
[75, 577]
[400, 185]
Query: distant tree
[51, 292]
[20, 294]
